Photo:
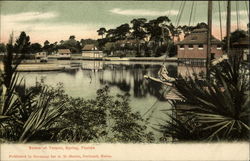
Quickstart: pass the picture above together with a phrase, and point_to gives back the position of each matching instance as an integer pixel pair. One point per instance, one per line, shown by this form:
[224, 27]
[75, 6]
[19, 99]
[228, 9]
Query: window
[200, 47]
[181, 47]
[190, 47]
[218, 47]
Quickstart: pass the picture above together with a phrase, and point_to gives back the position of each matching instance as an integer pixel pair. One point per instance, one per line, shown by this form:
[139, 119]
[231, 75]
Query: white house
[63, 54]
[91, 51]
[40, 55]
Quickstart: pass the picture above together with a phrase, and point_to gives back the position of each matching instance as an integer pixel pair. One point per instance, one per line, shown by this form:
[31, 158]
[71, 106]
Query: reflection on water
[130, 78]
[120, 76]
[146, 96]
[92, 75]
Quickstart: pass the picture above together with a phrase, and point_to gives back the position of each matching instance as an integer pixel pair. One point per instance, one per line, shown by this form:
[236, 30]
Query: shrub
[214, 110]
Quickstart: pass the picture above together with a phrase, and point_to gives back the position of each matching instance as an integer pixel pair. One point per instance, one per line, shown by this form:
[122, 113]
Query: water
[147, 96]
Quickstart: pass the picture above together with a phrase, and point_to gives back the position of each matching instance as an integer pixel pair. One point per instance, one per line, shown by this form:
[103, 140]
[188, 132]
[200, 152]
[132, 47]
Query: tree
[22, 45]
[47, 47]
[83, 42]
[72, 37]
[187, 29]
[158, 28]
[78, 46]
[111, 35]
[235, 36]
[102, 31]
[201, 25]
[122, 31]
[159, 32]
[102, 42]
[95, 121]
[62, 41]
[138, 31]
[50, 47]
[8, 61]
[35, 47]
[2, 48]
[46, 43]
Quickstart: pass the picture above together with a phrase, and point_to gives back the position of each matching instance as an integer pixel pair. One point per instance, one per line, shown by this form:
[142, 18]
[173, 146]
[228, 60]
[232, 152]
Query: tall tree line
[157, 35]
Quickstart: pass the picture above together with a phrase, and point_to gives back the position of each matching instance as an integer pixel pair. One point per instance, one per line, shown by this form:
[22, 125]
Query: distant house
[63, 54]
[91, 51]
[193, 47]
[40, 55]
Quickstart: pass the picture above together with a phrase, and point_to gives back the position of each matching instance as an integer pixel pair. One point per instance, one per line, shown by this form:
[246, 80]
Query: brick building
[193, 48]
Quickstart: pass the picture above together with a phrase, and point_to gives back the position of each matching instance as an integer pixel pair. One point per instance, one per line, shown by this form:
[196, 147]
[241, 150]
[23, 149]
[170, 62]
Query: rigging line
[220, 20]
[177, 17]
[163, 93]
[191, 12]
[225, 9]
[181, 13]
[168, 47]
[224, 15]
[237, 14]
[157, 100]
[150, 108]
[247, 9]
[194, 15]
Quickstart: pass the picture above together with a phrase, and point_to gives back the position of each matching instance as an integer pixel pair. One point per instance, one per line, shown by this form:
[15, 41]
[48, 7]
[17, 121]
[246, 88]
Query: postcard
[124, 80]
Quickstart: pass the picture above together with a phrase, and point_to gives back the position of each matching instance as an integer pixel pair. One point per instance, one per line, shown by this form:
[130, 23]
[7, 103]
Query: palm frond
[220, 106]
[41, 118]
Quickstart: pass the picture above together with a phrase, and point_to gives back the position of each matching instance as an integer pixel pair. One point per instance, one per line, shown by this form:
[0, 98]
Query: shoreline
[149, 59]
[50, 66]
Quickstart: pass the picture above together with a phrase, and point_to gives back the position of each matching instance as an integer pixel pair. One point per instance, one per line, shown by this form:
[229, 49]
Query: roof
[64, 51]
[89, 47]
[242, 42]
[198, 36]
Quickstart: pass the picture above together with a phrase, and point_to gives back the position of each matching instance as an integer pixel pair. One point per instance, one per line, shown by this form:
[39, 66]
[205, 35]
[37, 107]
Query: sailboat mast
[228, 25]
[209, 31]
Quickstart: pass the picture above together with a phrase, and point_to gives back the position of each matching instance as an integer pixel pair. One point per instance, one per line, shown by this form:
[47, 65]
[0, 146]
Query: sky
[57, 20]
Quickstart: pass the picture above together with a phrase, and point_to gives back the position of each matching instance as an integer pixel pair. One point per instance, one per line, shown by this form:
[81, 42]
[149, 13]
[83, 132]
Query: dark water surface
[146, 96]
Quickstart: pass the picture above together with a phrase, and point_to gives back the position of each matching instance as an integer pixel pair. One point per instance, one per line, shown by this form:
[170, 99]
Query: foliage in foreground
[22, 115]
[215, 110]
[103, 119]
[48, 114]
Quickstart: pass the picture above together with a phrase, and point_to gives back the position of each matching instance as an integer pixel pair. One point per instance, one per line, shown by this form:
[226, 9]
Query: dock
[38, 67]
